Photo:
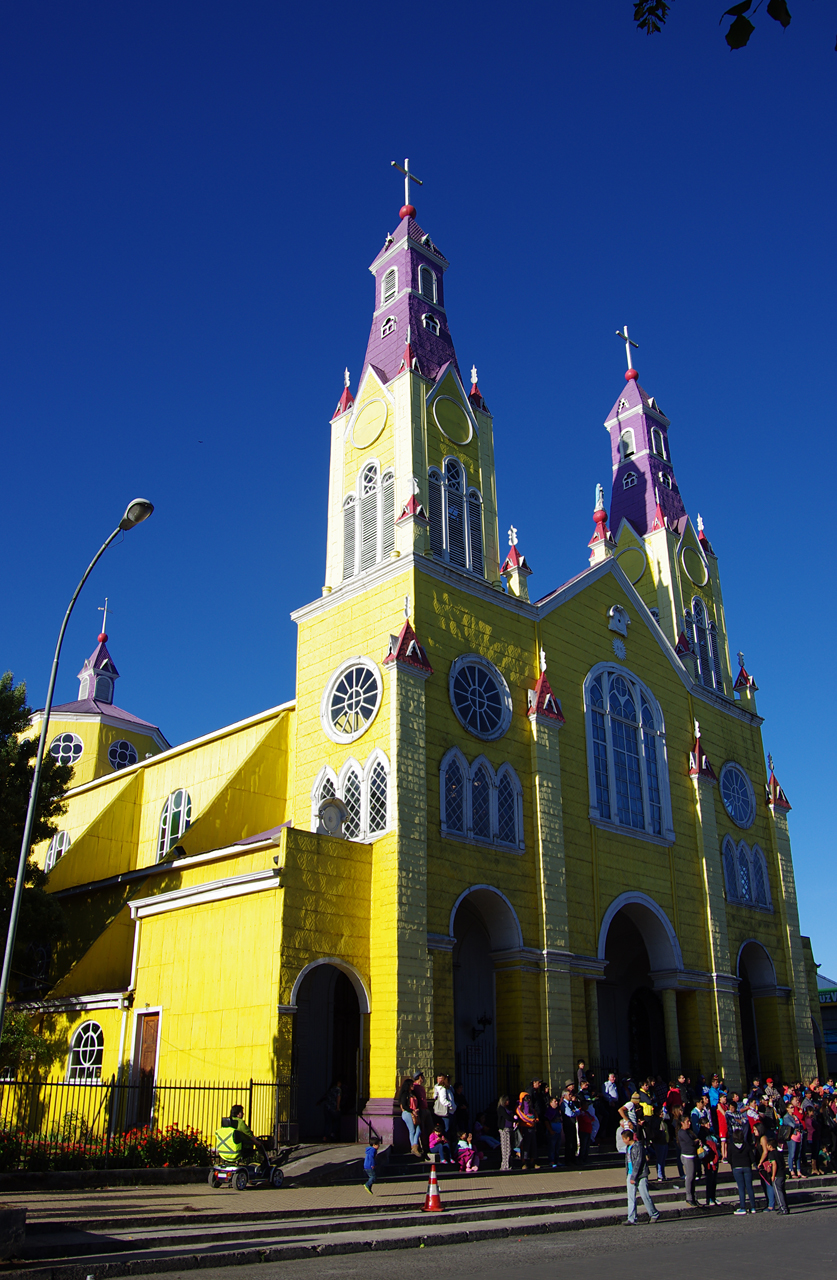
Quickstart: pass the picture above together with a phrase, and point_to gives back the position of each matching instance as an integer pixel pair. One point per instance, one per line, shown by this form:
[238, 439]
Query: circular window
[66, 748]
[351, 700]
[738, 795]
[121, 754]
[480, 696]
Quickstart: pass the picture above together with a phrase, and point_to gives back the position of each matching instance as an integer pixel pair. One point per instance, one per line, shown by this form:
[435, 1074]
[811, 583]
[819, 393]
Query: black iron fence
[485, 1075]
[112, 1123]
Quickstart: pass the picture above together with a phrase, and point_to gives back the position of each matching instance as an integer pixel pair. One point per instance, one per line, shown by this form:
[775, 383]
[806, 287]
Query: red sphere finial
[631, 375]
[103, 636]
[407, 211]
[600, 516]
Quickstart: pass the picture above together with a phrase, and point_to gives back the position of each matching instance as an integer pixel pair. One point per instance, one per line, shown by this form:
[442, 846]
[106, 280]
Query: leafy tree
[22, 1049]
[41, 918]
[650, 16]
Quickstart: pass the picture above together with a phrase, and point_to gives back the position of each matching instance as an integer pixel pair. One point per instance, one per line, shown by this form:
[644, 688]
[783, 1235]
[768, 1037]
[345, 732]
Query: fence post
[250, 1106]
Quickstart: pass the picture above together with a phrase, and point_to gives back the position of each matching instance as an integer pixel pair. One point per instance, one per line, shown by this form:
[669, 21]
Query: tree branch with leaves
[650, 16]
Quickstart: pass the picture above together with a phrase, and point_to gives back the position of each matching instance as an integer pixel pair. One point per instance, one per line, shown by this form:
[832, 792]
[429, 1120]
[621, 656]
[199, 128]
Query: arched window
[388, 326]
[427, 284]
[352, 799]
[730, 876]
[744, 884]
[715, 651]
[627, 767]
[86, 1051]
[389, 287]
[658, 443]
[627, 444]
[761, 880]
[430, 322]
[699, 635]
[349, 538]
[455, 523]
[665, 480]
[174, 820]
[104, 689]
[475, 530]
[369, 521]
[453, 793]
[476, 804]
[324, 788]
[629, 480]
[508, 802]
[377, 791]
[58, 846]
[481, 803]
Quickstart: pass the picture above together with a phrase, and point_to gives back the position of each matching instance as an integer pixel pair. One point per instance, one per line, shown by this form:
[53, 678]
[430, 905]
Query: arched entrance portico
[636, 998]
[485, 925]
[330, 997]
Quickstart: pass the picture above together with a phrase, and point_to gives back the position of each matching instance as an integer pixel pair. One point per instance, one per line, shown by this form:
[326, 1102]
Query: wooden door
[148, 1032]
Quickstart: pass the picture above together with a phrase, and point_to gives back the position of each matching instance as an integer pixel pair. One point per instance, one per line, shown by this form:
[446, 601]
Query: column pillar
[546, 720]
[715, 919]
[591, 1004]
[669, 999]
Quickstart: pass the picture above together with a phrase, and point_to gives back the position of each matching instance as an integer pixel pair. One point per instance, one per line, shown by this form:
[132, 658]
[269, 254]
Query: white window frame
[708, 674]
[467, 493]
[423, 272]
[118, 742]
[385, 295]
[325, 705]
[629, 480]
[752, 857]
[469, 772]
[725, 768]
[167, 837]
[59, 847]
[626, 435]
[389, 326]
[665, 480]
[338, 781]
[612, 823]
[658, 437]
[90, 1077]
[76, 741]
[384, 518]
[431, 323]
[476, 659]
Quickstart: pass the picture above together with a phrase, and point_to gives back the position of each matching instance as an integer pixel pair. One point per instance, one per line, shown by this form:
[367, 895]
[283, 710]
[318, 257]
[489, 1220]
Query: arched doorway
[483, 922]
[327, 1044]
[756, 977]
[638, 944]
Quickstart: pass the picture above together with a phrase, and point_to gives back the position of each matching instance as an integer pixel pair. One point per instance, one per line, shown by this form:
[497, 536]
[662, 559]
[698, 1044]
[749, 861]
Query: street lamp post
[137, 511]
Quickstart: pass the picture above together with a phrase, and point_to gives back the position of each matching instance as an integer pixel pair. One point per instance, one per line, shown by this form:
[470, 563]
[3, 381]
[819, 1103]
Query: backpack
[738, 1129]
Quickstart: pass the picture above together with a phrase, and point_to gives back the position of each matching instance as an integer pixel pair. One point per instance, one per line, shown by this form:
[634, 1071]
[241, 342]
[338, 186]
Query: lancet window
[455, 518]
[174, 820]
[427, 283]
[703, 635]
[389, 287]
[363, 788]
[627, 764]
[478, 803]
[745, 875]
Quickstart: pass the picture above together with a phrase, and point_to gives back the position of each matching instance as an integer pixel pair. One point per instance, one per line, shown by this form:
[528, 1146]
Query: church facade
[490, 835]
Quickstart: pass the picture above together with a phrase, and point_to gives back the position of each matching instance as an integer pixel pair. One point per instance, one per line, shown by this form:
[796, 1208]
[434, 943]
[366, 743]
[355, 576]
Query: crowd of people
[766, 1136]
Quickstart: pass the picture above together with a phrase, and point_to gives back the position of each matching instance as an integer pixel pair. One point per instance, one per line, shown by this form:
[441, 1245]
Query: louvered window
[437, 542]
[702, 650]
[369, 517]
[390, 285]
[716, 656]
[627, 447]
[475, 531]
[481, 804]
[427, 284]
[349, 540]
[388, 514]
[456, 529]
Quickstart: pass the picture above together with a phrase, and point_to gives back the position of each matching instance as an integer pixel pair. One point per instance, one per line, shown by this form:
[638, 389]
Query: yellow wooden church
[489, 836]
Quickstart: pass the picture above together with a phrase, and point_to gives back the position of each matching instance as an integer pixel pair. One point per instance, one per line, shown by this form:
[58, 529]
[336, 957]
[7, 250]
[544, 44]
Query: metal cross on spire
[408, 178]
[103, 608]
[629, 342]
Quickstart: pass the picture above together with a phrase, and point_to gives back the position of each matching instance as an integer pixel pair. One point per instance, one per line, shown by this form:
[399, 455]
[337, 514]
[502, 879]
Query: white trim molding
[196, 895]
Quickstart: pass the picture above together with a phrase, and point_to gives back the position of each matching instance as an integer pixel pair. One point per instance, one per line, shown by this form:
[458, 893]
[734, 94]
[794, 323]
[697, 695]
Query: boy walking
[636, 1166]
[369, 1163]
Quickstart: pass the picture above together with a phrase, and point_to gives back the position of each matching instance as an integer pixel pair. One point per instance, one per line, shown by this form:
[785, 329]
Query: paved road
[805, 1243]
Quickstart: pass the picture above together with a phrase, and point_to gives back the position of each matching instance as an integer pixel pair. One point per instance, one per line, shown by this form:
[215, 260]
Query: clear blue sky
[194, 192]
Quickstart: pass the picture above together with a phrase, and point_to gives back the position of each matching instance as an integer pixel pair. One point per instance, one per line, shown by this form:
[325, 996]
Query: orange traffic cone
[432, 1203]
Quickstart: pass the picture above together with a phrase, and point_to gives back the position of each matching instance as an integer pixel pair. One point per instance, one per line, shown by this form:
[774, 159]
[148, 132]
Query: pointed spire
[475, 395]
[659, 521]
[409, 360]
[543, 705]
[702, 538]
[347, 399]
[774, 794]
[98, 674]
[699, 766]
